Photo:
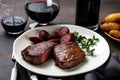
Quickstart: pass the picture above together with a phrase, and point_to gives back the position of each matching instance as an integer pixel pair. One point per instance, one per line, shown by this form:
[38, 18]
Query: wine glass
[42, 11]
[13, 16]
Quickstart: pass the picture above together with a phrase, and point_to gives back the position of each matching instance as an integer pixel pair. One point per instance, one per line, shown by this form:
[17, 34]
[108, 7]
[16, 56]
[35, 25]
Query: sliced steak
[63, 30]
[68, 55]
[43, 35]
[67, 37]
[37, 53]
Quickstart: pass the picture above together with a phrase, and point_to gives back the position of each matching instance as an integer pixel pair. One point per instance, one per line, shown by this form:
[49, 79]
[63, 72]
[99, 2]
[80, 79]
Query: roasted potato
[109, 26]
[114, 17]
[115, 33]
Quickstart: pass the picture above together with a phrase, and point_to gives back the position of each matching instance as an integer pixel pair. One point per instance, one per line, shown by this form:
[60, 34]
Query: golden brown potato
[110, 26]
[115, 33]
[113, 17]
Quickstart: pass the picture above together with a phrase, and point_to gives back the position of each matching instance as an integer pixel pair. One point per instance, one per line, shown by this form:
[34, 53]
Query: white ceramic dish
[49, 68]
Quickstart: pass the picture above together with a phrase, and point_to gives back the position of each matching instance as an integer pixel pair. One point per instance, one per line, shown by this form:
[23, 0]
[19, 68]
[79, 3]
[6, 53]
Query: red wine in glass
[14, 25]
[13, 17]
[41, 13]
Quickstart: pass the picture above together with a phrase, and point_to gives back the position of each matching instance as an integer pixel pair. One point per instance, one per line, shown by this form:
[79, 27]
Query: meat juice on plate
[14, 24]
[40, 12]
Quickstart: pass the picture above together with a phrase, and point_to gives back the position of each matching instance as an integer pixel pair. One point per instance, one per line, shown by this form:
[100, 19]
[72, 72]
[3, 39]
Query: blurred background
[65, 16]
[68, 9]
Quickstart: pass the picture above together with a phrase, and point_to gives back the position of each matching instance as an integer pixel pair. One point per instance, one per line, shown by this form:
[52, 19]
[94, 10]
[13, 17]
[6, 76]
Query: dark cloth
[109, 71]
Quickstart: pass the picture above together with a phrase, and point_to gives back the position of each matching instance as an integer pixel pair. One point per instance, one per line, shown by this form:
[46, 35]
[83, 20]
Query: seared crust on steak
[37, 53]
[68, 55]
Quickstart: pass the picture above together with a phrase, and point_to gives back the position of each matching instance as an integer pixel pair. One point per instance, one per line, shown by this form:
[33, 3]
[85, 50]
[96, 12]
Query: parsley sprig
[86, 43]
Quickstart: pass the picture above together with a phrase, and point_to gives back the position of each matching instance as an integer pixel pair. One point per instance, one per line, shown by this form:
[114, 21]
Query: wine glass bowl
[42, 11]
[13, 16]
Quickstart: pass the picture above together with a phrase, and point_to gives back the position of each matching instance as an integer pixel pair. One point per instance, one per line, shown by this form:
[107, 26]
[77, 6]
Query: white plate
[49, 68]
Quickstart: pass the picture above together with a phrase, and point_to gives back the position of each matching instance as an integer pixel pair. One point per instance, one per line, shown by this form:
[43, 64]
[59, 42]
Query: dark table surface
[66, 16]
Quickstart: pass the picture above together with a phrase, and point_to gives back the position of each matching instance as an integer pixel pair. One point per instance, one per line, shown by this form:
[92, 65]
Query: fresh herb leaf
[86, 43]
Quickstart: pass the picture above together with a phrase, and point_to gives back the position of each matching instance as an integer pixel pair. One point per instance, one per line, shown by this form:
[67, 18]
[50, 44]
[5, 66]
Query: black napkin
[109, 71]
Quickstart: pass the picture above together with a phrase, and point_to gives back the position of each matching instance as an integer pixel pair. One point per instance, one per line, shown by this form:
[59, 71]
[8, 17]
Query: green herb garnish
[86, 43]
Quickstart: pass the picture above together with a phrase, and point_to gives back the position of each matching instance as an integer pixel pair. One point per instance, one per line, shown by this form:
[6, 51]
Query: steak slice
[68, 55]
[37, 53]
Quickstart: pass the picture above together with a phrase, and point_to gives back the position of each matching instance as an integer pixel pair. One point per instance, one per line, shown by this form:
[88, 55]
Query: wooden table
[66, 16]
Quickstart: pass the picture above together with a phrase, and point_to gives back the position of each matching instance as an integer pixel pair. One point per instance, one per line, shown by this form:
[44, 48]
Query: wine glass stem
[13, 7]
[43, 24]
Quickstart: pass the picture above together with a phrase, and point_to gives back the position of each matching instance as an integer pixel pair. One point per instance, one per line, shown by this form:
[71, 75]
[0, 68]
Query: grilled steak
[37, 53]
[67, 37]
[63, 30]
[68, 55]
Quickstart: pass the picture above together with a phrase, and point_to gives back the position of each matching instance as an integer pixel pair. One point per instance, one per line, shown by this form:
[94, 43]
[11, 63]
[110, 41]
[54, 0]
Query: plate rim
[66, 74]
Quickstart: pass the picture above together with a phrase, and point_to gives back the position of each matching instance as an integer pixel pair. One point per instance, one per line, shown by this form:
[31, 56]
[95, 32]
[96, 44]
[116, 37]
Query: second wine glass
[13, 16]
[42, 11]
